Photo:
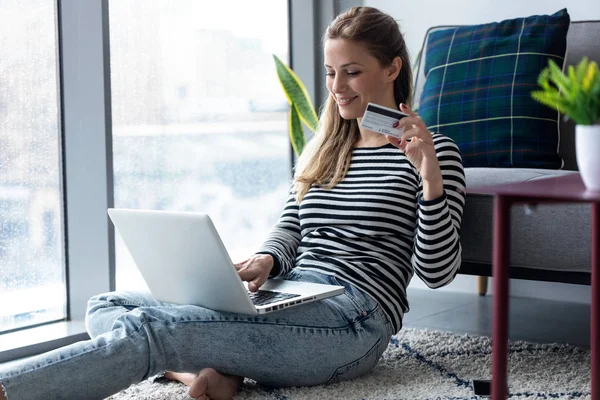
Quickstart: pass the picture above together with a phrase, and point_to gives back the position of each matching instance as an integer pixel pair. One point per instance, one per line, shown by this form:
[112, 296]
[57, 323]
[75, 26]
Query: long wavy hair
[326, 158]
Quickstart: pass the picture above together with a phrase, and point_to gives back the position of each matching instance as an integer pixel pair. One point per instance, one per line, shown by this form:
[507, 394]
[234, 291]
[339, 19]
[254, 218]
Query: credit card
[381, 119]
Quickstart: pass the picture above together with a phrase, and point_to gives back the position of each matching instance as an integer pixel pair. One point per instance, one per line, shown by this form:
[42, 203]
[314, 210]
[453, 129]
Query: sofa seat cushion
[546, 237]
[476, 176]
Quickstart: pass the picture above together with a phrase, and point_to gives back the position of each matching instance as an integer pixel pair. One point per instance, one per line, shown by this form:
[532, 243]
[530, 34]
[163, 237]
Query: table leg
[595, 334]
[501, 257]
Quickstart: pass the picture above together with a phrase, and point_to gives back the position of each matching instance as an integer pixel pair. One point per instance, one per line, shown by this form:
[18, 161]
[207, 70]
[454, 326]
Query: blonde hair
[326, 158]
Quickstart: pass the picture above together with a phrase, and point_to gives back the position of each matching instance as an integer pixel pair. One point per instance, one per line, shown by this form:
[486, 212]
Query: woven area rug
[423, 364]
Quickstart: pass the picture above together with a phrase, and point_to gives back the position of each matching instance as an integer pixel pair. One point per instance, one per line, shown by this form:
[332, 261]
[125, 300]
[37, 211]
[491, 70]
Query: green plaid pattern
[477, 90]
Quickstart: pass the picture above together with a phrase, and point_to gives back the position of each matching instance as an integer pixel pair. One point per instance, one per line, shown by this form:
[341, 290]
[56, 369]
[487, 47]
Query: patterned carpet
[422, 364]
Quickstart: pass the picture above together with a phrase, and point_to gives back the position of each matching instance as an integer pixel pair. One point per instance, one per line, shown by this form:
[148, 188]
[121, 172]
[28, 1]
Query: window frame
[85, 125]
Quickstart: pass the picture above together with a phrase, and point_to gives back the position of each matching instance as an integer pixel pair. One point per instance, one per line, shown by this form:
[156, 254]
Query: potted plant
[577, 95]
[301, 106]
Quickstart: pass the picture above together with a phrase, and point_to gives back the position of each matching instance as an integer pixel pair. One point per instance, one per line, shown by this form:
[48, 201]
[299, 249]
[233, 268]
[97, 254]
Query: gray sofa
[548, 242]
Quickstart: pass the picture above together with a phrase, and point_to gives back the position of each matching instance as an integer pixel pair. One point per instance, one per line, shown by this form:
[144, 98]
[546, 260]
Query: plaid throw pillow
[477, 90]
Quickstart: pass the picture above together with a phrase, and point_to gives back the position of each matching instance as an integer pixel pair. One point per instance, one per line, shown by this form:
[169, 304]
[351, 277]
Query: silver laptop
[183, 261]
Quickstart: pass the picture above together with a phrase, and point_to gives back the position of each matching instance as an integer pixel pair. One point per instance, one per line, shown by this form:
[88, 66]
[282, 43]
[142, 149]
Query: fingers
[255, 270]
[413, 127]
[254, 285]
[408, 123]
[406, 109]
[255, 274]
[393, 140]
[241, 265]
[257, 282]
[248, 273]
[418, 133]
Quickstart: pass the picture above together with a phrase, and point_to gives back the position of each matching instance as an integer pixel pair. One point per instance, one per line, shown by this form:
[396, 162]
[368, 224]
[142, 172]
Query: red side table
[563, 189]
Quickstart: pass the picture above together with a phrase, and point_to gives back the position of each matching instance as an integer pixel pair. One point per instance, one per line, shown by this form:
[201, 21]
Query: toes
[198, 388]
[184, 377]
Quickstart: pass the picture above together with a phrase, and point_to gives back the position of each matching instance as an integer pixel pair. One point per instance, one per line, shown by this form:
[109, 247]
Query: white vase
[587, 146]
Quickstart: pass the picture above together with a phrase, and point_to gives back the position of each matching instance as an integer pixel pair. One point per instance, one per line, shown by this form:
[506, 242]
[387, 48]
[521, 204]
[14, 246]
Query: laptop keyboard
[263, 297]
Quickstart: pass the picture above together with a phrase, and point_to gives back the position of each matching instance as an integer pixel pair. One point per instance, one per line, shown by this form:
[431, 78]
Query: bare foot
[187, 378]
[212, 385]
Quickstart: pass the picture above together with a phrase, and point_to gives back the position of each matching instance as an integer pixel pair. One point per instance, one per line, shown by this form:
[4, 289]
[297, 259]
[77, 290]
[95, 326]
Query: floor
[535, 320]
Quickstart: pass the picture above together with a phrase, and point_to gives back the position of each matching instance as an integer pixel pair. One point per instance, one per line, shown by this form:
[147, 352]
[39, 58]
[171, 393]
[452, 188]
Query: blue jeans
[134, 336]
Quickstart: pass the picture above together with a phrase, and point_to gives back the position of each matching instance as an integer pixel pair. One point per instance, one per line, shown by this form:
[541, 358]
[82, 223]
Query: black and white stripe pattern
[373, 229]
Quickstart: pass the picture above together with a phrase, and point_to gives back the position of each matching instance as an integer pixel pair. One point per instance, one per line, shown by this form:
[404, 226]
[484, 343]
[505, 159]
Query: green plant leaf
[581, 68]
[296, 94]
[548, 98]
[575, 94]
[543, 79]
[579, 117]
[296, 132]
[594, 100]
[595, 88]
[555, 101]
[590, 76]
[580, 109]
[572, 75]
[560, 80]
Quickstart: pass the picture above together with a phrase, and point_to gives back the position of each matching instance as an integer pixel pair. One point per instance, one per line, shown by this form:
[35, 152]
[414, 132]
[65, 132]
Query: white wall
[415, 17]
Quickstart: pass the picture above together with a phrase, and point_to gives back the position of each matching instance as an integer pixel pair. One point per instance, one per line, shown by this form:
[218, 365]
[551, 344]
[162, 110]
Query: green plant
[575, 94]
[301, 106]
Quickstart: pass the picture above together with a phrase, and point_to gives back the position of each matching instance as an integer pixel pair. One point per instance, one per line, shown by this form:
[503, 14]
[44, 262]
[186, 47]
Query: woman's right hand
[255, 270]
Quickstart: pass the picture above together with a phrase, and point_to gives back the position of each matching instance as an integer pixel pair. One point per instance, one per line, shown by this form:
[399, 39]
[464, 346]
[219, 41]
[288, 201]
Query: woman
[366, 211]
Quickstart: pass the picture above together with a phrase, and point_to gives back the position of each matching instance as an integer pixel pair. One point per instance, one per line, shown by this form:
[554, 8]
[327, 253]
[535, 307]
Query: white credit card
[381, 119]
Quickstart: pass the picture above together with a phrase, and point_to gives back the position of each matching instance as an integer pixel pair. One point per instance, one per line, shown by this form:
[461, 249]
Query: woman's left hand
[417, 144]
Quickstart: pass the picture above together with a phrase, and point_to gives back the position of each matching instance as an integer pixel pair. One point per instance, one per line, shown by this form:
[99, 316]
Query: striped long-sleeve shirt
[374, 230]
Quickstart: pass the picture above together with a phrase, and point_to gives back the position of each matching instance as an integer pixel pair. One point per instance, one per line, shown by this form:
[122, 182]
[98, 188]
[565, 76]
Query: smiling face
[355, 78]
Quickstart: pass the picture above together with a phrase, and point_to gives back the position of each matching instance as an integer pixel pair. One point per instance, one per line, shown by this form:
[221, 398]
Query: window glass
[32, 284]
[199, 118]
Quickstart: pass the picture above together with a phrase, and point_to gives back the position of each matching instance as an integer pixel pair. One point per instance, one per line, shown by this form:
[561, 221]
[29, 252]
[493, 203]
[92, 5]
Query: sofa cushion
[580, 43]
[478, 84]
[547, 237]
[496, 176]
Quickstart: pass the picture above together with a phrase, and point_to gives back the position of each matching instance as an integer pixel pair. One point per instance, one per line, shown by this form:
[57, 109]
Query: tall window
[32, 285]
[199, 118]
